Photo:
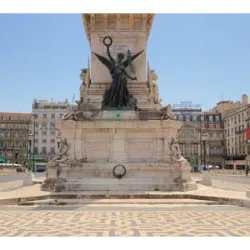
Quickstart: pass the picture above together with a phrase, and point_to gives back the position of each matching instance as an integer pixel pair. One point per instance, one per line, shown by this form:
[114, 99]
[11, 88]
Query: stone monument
[118, 136]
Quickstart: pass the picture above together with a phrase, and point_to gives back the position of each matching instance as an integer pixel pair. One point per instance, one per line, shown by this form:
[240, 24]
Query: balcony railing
[216, 154]
[235, 157]
[240, 132]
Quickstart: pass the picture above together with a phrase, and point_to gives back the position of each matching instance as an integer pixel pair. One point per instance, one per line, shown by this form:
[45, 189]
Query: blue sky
[197, 57]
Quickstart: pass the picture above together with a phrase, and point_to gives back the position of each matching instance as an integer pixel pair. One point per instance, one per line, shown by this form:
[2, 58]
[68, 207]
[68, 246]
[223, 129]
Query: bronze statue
[117, 95]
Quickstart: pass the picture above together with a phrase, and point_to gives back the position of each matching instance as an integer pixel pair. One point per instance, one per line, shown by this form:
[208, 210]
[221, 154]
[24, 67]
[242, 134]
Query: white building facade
[45, 117]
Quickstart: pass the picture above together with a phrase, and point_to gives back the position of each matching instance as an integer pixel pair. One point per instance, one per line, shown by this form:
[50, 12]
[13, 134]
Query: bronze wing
[104, 61]
[126, 62]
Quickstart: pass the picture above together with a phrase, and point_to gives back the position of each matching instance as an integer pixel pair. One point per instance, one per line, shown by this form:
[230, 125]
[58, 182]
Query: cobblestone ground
[125, 221]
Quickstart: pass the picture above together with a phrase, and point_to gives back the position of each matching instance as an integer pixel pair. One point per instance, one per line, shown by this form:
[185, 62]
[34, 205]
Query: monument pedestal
[143, 148]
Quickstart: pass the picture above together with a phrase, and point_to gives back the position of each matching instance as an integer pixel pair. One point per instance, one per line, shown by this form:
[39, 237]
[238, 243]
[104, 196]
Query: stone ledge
[222, 200]
[107, 195]
[16, 201]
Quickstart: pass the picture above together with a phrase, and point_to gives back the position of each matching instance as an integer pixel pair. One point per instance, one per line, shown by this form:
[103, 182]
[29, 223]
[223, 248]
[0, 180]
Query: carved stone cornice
[90, 21]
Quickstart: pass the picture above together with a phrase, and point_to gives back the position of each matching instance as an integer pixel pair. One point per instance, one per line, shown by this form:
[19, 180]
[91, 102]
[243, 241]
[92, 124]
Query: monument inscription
[118, 48]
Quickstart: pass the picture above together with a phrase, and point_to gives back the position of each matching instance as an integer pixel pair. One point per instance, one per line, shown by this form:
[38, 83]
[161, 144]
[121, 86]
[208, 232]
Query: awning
[41, 163]
[2, 160]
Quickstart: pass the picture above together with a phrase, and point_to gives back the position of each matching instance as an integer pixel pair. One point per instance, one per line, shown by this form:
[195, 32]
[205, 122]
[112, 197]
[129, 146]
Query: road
[237, 179]
[113, 220]
[229, 183]
[17, 177]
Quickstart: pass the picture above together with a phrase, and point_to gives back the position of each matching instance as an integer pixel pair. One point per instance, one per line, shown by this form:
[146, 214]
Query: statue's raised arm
[108, 44]
[109, 63]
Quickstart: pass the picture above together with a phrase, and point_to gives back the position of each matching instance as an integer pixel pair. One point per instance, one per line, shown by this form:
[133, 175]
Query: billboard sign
[187, 104]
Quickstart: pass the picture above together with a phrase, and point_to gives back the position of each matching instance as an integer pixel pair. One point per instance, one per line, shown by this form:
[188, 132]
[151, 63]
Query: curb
[37, 182]
[221, 200]
[16, 201]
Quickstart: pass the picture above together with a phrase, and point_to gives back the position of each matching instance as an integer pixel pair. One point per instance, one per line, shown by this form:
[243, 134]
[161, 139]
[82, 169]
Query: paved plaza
[131, 220]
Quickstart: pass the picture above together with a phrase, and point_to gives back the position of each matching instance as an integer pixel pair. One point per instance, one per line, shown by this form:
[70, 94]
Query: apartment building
[236, 122]
[45, 117]
[14, 130]
[213, 128]
[224, 106]
[201, 135]
[189, 133]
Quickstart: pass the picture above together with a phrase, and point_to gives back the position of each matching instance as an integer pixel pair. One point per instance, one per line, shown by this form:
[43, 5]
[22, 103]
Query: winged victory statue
[117, 95]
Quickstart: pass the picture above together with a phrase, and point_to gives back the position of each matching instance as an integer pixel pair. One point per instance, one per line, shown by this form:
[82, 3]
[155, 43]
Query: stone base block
[247, 200]
[206, 180]
[28, 179]
[54, 185]
[98, 184]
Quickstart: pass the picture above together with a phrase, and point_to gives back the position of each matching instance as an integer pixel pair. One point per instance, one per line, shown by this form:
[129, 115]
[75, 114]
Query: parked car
[41, 169]
[20, 169]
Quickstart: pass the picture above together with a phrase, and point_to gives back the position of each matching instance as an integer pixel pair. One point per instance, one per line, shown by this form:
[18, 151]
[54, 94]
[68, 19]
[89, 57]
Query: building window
[52, 141]
[35, 150]
[52, 133]
[44, 150]
[36, 140]
[25, 118]
[52, 125]
[18, 118]
[53, 116]
[44, 116]
[10, 118]
[44, 141]
[2, 118]
[61, 115]
[44, 125]
[52, 150]
[44, 133]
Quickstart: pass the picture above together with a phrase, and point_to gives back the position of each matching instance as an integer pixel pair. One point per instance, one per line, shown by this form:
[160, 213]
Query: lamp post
[200, 141]
[33, 153]
[30, 139]
[29, 177]
[204, 140]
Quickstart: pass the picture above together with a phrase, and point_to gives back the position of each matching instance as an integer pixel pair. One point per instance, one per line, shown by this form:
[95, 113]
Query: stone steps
[123, 202]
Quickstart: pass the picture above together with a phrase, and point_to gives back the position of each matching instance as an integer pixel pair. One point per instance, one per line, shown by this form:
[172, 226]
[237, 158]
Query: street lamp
[204, 140]
[33, 153]
[200, 141]
[30, 139]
